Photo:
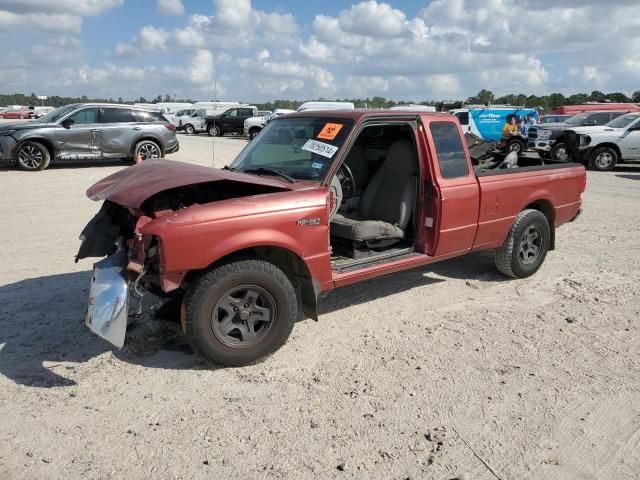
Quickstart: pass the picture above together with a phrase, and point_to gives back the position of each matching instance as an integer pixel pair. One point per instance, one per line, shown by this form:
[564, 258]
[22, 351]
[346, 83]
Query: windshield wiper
[271, 171]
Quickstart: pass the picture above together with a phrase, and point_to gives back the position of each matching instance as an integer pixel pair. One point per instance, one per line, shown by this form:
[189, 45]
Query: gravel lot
[431, 373]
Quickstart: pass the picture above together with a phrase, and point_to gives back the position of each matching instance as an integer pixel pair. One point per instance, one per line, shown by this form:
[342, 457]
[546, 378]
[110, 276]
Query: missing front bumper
[107, 312]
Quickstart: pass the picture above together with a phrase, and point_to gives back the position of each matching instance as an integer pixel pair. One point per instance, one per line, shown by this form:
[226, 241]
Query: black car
[547, 139]
[231, 121]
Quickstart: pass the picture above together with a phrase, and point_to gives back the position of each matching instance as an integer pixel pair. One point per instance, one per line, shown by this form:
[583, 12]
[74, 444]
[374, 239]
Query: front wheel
[516, 145]
[526, 245]
[214, 131]
[240, 312]
[559, 152]
[253, 132]
[33, 156]
[147, 149]
[603, 159]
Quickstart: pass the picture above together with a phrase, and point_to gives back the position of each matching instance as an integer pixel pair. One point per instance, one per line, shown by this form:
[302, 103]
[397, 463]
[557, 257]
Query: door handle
[95, 130]
[137, 128]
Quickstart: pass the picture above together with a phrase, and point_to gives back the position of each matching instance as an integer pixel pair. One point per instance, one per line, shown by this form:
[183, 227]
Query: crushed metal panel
[107, 312]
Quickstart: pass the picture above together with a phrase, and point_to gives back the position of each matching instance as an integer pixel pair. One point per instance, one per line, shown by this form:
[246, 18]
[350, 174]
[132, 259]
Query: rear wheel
[189, 129]
[603, 159]
[526, 245]
[147, 149]
[214, 131]
[240, 312]
[33, 156]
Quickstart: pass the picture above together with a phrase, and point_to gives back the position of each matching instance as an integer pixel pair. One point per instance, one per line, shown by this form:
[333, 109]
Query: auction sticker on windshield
[329, 131]
[320, 148]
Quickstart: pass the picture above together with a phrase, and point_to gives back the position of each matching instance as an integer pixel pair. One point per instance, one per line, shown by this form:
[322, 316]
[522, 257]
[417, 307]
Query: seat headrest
[402, 157]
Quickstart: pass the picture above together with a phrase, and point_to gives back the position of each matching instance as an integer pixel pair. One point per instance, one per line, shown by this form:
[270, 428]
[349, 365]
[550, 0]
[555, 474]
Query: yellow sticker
[329, 131]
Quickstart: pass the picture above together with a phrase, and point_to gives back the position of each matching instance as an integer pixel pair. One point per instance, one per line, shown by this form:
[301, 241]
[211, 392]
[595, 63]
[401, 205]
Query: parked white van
[326, 106]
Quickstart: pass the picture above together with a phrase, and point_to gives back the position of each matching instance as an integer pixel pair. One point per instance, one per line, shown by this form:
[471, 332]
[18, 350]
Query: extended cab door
[452, 193]
[80, 138]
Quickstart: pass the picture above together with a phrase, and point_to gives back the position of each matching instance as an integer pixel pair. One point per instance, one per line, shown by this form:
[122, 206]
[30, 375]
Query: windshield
[302, 147]
[56, 114]
[623, 121]
[577, 119]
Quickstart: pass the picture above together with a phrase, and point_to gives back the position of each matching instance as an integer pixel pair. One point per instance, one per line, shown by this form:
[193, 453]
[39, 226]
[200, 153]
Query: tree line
[545, 102]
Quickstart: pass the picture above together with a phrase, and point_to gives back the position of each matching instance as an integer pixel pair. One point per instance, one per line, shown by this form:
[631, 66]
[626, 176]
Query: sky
[256, 51]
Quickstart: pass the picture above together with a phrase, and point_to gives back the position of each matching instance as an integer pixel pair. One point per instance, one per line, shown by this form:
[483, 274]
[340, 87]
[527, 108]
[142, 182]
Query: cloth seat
[386, 206]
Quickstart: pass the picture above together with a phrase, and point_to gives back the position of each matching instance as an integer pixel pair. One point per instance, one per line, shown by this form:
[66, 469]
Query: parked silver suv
[88, 131]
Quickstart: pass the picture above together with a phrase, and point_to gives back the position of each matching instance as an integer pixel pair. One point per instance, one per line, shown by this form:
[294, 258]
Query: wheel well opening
[47, 144]
[291, 264]
[546, 208]
[612, 146]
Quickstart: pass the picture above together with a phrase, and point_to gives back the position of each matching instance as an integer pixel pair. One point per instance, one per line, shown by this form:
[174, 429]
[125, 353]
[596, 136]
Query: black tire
[188, 129]
[515, 145]
[526, 245]
[559, 152]
[214, 131]
[253, 132]
[603, 159]
[224, 336]
[32, 157]
[147, 149]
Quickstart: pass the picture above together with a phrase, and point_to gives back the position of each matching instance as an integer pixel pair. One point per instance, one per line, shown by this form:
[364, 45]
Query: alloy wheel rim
[30, 157]
[530, 245]
[148, 150]
[515, 147]
[604, 160]
[243, 316]
[561, 154]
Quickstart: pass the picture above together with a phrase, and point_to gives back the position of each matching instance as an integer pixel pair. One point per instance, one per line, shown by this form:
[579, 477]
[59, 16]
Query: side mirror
[67, 122]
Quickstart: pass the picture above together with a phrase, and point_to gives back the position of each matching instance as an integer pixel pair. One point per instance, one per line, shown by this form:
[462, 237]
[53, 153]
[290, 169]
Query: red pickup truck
[316, 201]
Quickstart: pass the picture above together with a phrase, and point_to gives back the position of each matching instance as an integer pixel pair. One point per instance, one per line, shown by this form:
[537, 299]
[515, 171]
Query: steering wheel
[347, 181]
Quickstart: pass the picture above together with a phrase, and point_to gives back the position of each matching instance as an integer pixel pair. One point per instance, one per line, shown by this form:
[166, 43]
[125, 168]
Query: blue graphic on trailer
[490, 123]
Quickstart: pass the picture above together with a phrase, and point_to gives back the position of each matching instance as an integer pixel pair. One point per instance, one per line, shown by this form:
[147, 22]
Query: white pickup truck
[616, 142]
[253, 125]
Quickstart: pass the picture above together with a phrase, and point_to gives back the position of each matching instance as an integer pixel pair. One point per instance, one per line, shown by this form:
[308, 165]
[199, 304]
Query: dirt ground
[443, 372]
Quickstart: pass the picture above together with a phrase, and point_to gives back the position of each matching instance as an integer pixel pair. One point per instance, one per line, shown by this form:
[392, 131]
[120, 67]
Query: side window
[463, 117]
[233, 113]
[116, 115]
[599, 118]
[451, 157]
[148, 117]
[616, 114]
[247, 112]
[87, 115]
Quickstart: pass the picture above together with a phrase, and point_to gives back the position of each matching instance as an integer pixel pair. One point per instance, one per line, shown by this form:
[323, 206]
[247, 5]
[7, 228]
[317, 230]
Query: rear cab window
[452, 159]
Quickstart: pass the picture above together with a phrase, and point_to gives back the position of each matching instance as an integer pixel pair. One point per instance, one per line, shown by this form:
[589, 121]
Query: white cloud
[45, 15]
[201, 72]
[148, 40]
[170, 7]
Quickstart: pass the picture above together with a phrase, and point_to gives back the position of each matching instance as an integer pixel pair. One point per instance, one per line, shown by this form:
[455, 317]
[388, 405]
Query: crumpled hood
[131, 186]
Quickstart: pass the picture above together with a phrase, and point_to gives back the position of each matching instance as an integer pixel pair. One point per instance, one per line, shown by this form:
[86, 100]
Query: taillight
[584, 183]
[170, 126]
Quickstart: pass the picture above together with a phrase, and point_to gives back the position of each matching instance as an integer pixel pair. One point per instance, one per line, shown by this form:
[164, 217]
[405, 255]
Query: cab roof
[358, 114]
